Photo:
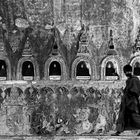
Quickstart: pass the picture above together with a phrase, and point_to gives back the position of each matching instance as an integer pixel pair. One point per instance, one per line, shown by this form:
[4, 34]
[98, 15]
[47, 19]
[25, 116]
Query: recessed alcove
[27, 70]
[136, 70]
[111, 71]
[3, 70]
[83, 70]
[111, 68]
[55, 71]
[135, 63]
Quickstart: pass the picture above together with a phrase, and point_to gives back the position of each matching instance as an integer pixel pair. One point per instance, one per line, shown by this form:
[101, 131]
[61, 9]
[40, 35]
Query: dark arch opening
[3, 70]
[27, 69]
[110, 70]
[82, 69]
[55, 69]
[137, 69]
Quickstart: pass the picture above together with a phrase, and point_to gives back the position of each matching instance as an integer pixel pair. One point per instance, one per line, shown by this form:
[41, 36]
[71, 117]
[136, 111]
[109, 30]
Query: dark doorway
[28, 69]
[137, 69]
[3, 69]
[55, 69]
[82, 69]
[110, 70]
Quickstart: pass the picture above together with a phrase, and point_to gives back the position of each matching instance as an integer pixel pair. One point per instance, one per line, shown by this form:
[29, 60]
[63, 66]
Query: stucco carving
[8, 66]
[88, 60]
[117, 61]
[134, 60]
[19, 68]
[62, 64]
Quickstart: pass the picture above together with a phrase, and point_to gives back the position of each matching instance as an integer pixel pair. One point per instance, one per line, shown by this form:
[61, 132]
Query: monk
[129, 114]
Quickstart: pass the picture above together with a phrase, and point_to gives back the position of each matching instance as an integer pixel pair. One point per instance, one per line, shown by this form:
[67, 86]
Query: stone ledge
[70, 138]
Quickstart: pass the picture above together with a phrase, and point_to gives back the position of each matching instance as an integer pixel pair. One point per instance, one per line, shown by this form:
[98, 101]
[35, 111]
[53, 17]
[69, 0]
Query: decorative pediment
[55, 49]
[68, 38]
[27, 49]
[56, 44]
[84, 44]
[14, 43]
[84, 37]
[15, 38]
[2, 49]
[136, 47]
[111, 48]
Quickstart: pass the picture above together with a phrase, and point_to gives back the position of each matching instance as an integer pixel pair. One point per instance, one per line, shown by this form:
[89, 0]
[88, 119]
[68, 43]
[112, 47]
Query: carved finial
[2, 50]
[137, 42]
[111, 45]
[27, 48]
[111, 33]
[111, 50]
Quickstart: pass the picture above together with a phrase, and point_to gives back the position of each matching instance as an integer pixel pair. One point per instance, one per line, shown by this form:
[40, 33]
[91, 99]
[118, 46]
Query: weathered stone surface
[67, 31]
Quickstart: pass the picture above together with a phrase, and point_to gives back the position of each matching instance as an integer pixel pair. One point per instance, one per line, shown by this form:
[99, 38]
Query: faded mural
[59, 111]
[66, 31]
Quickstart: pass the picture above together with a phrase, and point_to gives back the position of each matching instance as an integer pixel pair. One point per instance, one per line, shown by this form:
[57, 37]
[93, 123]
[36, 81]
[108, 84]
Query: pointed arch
[20, 66]
[61, 64]
[87, 60]
[117, 68]
[8, 66]
[135, 62]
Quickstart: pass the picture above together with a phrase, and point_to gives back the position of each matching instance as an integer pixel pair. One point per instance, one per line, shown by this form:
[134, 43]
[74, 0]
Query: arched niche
[55, 69]
[5, 69]
[136, 68]
[27, 69]
[135, 63]
[111, 68]
[83, 68]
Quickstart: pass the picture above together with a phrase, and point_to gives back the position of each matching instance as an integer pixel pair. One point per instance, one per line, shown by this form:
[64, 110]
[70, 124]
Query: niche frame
[62, 63]
[119, 65]
[9, 76]
[133, 62]
[88, 60]
[35, 65]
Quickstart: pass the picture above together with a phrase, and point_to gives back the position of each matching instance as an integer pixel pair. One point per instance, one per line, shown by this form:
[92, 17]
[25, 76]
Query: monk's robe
[129, 114]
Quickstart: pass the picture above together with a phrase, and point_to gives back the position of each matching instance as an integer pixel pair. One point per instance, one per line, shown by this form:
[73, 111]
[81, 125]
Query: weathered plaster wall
[44, 107]
[59, 109]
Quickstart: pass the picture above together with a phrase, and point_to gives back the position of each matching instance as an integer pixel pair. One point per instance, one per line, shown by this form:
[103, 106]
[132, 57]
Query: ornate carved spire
[84, 42]
[137, 41]
[136, 47]
[55, 48]
[27, 49]
[111, 50]
[2, 49]
[111, 44]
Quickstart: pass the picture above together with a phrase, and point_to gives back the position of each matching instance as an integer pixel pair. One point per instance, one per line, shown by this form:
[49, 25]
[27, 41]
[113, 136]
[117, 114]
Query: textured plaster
[67, 107]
